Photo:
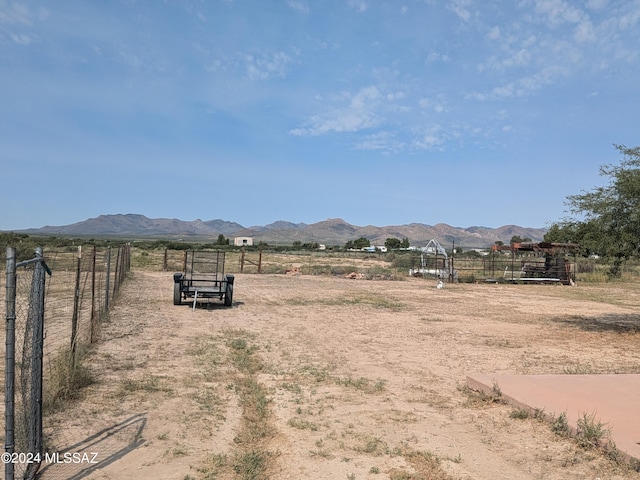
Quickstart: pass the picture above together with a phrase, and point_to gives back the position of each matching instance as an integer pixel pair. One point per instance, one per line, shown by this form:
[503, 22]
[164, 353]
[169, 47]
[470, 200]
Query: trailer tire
[228, 295]
[177, 294]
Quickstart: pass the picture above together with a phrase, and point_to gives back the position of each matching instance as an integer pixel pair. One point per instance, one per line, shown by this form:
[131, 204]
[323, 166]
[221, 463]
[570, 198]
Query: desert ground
[324, 377]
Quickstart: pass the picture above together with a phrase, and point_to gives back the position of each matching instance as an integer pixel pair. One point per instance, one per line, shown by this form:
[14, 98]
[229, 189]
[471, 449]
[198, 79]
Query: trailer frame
[203, 279]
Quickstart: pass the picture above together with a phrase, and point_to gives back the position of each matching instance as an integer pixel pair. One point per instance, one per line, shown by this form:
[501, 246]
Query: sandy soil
[363, 380]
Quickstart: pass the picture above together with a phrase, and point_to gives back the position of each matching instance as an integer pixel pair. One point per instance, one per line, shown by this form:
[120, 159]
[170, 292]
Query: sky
[379, 112]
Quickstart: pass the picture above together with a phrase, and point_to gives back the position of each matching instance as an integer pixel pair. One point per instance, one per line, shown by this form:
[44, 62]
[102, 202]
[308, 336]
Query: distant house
[243, 241]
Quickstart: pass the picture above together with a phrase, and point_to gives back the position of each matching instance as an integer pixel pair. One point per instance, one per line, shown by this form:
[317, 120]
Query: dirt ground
[353, 379]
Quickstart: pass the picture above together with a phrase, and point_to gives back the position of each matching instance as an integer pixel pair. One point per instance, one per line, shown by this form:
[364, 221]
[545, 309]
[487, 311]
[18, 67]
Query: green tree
[610, 214]
[222, 240]
[519, 239]
[404, 243]
[392, 243]
[362, 242]
[358, 244]
[583, 233]
[565, 232]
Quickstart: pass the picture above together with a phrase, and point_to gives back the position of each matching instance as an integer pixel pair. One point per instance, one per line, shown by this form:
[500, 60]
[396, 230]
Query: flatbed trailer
[203, 279]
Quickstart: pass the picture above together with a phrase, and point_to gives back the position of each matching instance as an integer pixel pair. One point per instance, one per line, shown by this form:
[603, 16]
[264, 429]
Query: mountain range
[330, 232]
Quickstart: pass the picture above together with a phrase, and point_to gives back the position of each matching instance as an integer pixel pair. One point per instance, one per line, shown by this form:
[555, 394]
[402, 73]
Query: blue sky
[466, 112]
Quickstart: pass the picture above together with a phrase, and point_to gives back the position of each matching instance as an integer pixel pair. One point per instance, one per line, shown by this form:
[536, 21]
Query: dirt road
[331, 378]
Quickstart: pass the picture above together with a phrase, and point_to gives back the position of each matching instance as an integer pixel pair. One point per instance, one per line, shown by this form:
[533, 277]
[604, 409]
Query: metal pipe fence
[494, 266]
[54, 305]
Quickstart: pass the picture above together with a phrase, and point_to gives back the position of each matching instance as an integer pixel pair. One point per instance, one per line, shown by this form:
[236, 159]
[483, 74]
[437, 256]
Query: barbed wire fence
[54, 305]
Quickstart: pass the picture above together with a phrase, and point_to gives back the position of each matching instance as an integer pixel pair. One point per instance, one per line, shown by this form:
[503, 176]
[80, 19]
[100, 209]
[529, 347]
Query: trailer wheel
[228, 295]
[177, 294]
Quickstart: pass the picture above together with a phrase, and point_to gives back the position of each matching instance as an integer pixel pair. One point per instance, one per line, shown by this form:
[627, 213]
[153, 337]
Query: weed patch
[363, 384]
[354, 299]
[65, 379]
[590, 433]
[560, 425]
[252, 459]
[478, 398]
[520, 413]
[426, 466]
[301, 424]
[251, 465]
[147, 384]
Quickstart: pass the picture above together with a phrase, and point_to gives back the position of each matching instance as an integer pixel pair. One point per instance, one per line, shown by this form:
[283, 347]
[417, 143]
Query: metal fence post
[106, 299]
[76, 308]
[116, 276]
[10, 342]
[36, 318]
[93, 296]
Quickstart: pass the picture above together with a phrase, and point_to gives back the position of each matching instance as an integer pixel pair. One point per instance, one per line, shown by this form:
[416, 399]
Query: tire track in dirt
[363, 379]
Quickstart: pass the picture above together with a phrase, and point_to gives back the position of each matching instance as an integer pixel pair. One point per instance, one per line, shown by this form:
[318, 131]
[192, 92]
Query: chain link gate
[25, 287]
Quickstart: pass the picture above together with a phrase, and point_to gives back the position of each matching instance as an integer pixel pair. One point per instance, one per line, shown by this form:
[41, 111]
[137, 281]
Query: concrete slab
[614, 400]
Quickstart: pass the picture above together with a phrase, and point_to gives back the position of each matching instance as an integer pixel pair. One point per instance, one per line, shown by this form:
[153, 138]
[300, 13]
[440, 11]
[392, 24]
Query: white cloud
[252, 66]
[559, 12]
[513, 58]
[438, 57]
[630, 19]
[382, 142]
[395, 96]
[580, 38]
[438, 105]
[359, 114]
[494, 33]
[266, 65]
[22, 39]
[299, 6]
[460, 8]
[597, 4]
[357, 5]
[522, 87]
[18, 20]
[584, 32]
[432, 138]
[15, 13]
[520, 58]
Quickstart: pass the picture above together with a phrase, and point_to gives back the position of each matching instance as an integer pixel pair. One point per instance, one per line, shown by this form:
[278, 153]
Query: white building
[243, 241]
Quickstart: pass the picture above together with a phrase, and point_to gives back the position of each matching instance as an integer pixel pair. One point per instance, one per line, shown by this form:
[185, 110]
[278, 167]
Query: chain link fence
[54, 305]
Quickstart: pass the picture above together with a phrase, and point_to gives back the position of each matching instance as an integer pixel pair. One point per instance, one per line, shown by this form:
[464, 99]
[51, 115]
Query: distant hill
[133, 225]
[331, 231]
